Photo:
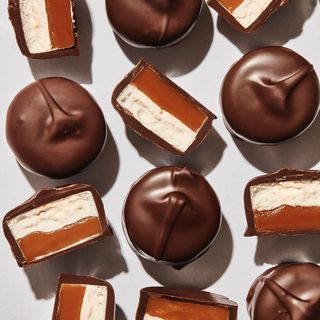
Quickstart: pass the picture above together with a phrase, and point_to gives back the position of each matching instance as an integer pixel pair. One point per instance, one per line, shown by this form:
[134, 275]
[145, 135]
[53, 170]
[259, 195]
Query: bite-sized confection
[55, 128]
[161, 303]
[55, 221]
[171, 215]
[246, 15]
[270, 95]
[285, 202]
[160, 111]
[152, 23]
[44, 28]
[83, 298]
[286, 292]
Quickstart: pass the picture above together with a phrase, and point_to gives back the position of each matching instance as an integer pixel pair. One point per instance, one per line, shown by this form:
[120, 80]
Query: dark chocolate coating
[15, 17]
[185, 295]
[171, 215]
[152, 23]
[141, 130]
[270, 95]
[86, 280]
[279, 176]
[55, 128]
[48, 195]
[286, 292]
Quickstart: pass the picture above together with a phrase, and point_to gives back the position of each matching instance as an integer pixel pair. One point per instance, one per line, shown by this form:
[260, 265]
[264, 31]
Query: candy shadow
[277, 249]
[120, 315]
[102, 260]
[203, 159]
[75, 68]
[201, 273]
[301, 153]
[102, 173]
[182, 57]
[287, 23]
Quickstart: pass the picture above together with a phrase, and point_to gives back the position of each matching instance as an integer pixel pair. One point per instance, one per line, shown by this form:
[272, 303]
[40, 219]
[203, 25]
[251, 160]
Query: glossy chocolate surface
[55, 128]
[286, 292]
[270, 95]
[152, 23]
[171, 215]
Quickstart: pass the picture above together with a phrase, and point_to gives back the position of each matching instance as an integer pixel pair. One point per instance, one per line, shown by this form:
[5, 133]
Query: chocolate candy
[152, 23]
[286, 292]
[44, 28]
[160, 111]
[246, 15]
[285, 202]
[55, 221]
[82, 297]
[270, 95]
[182, 304]
[55, 128]
[171, 215]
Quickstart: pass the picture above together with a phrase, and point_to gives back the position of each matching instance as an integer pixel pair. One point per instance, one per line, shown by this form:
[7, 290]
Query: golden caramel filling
[60, 23]
[39, 244]
[230, 5]
[70, 301]
[168, 98]
[288, 219]
[175, 310]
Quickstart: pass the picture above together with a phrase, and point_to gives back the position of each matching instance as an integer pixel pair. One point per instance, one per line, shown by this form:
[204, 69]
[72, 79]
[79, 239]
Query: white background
[198, 64]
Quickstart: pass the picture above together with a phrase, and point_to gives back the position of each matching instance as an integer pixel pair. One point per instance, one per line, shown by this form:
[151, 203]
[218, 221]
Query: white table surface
[198, 64]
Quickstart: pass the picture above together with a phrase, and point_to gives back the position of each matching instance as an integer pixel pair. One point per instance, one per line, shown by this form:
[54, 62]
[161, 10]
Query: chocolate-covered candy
[44, 28]
[286, 202]
[286, 292]
[55, 221]
[160, 111]
[171, 215]
[152, 23]
[270, 95]
[181, 304]
[55, 128]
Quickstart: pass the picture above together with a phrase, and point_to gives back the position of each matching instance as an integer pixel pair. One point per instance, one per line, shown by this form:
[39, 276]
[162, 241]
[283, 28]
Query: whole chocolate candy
[270, 95]
[171, 216]
[286, 292]
[152, 23]
[55, 128]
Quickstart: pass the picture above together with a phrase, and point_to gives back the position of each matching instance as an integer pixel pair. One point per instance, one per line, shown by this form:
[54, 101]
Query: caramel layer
[39, 244]
[288, 219]
[175, 310]
[70, 301]
[168, 98]
[60, 23]
[230, 5]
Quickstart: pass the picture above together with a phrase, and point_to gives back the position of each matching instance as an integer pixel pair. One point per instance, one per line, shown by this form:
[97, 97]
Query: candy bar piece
[44, 28]
[160, 303]
[55, 221]
[160, 111]
[285, 202]
[83, 298]
[246, 15]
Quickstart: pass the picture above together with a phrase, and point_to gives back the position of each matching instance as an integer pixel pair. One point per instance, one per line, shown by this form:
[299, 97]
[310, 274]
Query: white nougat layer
[268, 196]
[155, 119]
[148, 317]
[54, 215]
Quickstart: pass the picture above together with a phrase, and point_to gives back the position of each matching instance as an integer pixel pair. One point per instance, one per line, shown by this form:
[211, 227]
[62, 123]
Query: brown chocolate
[47, 196]
[286, 292]
[192, 297]
[194, 112]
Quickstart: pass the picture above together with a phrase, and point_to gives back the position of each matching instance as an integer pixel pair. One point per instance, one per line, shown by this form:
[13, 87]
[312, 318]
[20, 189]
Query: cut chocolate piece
[83, 298]
[246, 15]
[55, 221]
[160, 111]
[163, 303]
[285, 202]
[286, 292]
[44, 28]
